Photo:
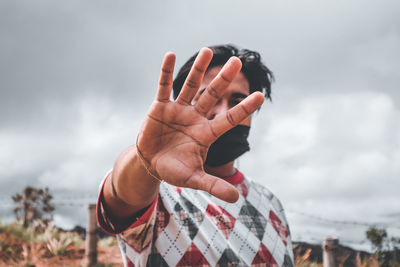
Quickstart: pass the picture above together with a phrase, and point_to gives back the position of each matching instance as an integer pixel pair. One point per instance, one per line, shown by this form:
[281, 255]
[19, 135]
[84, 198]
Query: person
[175, 198]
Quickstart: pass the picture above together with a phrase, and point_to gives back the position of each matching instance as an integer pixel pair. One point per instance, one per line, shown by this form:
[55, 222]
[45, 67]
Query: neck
[223, 171]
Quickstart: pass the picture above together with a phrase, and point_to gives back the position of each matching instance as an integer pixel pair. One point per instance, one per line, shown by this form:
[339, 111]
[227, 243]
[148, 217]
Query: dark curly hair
[258, 75]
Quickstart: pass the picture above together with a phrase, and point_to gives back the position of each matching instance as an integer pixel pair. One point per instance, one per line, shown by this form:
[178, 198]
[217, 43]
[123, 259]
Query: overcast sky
[76, 79]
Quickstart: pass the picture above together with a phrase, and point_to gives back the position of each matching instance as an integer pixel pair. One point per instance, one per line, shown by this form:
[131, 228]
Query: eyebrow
[239, 95]
[235, 95]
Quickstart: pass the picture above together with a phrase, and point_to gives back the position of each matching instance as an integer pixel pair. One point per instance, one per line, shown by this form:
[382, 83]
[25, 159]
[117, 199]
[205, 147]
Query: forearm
[130, 188]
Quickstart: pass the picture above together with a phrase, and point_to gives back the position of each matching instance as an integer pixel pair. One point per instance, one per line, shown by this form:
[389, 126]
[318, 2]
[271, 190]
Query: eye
[197, 96]
[236, 101]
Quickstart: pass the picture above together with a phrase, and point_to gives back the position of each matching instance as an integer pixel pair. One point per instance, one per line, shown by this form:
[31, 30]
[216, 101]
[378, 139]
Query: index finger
[227, 120]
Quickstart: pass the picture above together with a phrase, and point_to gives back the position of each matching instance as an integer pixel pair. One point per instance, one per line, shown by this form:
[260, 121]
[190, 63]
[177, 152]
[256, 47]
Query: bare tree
[33, 207]
[386, 248]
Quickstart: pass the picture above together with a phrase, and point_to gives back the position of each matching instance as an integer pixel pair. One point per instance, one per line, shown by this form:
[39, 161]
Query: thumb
[215, 186]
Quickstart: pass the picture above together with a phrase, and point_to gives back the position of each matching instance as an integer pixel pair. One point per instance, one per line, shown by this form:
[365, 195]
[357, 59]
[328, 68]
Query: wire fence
[381, 224]
[83, 200]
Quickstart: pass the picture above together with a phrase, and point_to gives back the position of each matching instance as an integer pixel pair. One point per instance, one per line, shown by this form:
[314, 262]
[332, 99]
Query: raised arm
[174, 139]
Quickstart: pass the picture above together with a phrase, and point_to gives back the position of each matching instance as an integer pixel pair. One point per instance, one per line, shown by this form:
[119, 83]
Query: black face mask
[228, 146]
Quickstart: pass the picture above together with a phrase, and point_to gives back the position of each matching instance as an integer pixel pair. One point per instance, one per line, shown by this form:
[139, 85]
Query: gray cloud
[76, 80]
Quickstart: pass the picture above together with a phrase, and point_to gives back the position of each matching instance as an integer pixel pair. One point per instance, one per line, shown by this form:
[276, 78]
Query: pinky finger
[165, 81]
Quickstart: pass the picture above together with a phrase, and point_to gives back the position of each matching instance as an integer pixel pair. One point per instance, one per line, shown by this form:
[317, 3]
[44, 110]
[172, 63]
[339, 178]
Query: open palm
[176, 135]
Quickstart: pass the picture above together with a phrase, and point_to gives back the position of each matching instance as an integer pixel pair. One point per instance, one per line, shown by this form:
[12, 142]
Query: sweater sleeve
[138, 234]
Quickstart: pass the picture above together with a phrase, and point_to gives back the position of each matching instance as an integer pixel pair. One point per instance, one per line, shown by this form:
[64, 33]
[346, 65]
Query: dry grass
[21, 246]
[303, 259]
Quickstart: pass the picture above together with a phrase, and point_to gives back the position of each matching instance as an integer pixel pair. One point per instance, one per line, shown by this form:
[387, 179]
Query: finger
[196, 74]
[215, 186]
[218, 85]
[165, 81]
[225, 121]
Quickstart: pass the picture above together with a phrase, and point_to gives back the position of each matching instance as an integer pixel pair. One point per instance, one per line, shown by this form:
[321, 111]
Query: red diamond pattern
[162, 219]
[279, 227]
[176, 248]
[129, 263]
[243, 189]
[193, 257]
[222, 219]
[263, 257]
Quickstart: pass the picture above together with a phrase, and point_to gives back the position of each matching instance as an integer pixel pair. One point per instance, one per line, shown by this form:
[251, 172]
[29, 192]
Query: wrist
[131, 182]
[146, 164]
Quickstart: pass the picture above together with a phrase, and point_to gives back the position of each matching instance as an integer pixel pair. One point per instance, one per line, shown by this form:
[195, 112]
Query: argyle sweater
[186, 227]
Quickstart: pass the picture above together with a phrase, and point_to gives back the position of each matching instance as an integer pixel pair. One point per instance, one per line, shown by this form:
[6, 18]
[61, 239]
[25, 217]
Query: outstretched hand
[175, 136]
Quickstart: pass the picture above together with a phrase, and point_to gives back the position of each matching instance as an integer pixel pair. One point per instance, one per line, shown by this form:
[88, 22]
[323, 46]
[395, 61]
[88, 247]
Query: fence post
[91, 237]
[329, 252]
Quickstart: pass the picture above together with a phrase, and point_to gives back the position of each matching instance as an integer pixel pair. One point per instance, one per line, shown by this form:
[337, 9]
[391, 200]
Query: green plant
[15, 242]
[107, 242]
[100, 264]
[33, 253]
[58, 242]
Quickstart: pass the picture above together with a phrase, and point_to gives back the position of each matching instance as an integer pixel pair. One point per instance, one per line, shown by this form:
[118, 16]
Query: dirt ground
[109, 256]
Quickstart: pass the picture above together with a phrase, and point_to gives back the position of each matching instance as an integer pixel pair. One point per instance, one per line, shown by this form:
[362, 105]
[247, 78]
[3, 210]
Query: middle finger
[216, 88]
[193, 80]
